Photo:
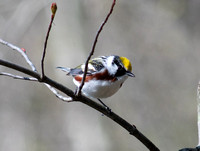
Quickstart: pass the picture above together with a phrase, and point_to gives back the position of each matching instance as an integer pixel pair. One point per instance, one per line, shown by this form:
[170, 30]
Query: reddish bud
[24, 50]
[53, 8]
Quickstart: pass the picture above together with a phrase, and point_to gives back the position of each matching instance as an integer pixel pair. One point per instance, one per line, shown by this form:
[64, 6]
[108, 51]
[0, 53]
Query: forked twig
[58, 95]
[21, 51]
[78, 92]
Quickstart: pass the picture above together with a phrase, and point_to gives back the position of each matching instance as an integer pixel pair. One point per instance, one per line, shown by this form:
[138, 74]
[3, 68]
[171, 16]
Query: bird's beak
[130, 74]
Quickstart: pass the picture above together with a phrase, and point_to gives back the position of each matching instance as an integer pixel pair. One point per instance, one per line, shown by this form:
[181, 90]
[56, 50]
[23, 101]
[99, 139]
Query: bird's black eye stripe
[120, 71]
[116, 61]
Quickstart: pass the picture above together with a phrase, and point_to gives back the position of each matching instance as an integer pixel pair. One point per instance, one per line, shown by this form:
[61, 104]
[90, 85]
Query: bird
[104, 77]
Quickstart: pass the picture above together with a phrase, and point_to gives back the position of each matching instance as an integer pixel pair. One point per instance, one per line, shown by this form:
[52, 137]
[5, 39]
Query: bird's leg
[107, 108]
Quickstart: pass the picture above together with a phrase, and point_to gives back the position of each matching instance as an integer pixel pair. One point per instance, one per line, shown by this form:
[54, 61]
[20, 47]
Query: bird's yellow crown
[126, 63]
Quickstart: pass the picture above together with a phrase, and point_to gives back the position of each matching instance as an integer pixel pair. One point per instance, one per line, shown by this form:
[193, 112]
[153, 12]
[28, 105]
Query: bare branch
[93, 48]
[18, 77]
[53, 10]
[20, 69]
[130, 128]
[35, 76]
[21, 52]
[66, 99]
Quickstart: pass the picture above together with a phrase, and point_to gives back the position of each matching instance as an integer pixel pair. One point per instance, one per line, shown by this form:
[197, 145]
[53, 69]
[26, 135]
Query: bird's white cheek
[112, 69]
[101, 88]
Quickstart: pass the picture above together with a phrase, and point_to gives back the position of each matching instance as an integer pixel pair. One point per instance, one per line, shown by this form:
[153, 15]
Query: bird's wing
[95, 65]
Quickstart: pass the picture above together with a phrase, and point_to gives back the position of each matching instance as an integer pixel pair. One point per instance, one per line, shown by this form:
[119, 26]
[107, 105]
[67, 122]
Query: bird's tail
[67, 70]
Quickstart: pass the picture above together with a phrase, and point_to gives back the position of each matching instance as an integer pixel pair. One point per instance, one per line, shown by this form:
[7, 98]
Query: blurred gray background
[160, 37]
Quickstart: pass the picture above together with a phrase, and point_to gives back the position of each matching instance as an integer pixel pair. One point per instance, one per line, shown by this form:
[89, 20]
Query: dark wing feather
[97, 66]
[79, 71]
[76, 71]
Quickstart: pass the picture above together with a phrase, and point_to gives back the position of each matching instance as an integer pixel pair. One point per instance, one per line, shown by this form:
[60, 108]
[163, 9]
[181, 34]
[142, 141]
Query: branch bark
[53, 10]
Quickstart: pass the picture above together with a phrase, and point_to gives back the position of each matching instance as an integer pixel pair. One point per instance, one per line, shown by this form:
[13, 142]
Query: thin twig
[65, 99]
[20, 69]
[17, 76]
[53, 10]
[93, 48]
[58, 95]
[34, 75]
[21, 52]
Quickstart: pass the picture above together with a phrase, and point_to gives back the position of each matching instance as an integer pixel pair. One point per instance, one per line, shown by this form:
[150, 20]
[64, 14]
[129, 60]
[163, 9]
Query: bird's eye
[121, 71]
[115, 62]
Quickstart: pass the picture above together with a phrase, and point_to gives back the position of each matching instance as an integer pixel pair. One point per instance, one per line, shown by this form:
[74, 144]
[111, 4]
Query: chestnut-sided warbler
[105, 75]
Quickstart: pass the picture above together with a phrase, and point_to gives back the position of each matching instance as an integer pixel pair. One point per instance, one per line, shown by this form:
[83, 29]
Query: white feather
[112, 68]
[101, 88]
